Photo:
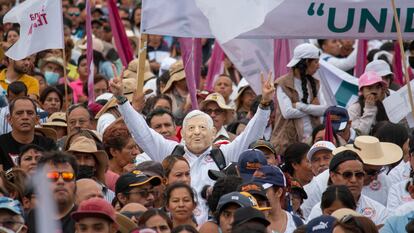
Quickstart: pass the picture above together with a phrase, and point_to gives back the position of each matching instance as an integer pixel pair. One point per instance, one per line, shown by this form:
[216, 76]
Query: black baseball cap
[248, 214]
[230, 170]
[253, 188]
[133, 179]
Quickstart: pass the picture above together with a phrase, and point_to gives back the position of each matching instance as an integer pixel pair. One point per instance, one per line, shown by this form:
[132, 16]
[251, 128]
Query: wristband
[121, 99]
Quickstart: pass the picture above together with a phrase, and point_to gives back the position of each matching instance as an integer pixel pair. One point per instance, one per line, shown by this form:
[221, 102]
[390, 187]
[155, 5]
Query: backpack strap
[216, 155]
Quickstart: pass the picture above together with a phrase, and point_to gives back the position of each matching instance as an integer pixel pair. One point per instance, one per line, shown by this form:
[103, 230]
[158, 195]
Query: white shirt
[301, 110]
[104, 121]
[290, 225]
[404, 209]
[365, 206]
[222, 132]
[398, 196]
[142, 158]
[157, 147]
[400, 172]
[344, 64]
[378, 189]
[314, 191]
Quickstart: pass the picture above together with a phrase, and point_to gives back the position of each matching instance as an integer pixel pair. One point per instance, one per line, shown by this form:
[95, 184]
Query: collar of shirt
[222, 132]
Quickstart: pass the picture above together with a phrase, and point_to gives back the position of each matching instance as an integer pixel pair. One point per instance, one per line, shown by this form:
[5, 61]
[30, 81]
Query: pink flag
[281, 56]
[192, 57]
[361, 59]
[397, 65]
[215, 67]
[89, 53]
[118, 31]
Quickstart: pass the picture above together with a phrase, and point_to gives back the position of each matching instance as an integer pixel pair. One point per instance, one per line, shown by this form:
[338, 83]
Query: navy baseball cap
[249, 161]
[233, 197]
[321, 224]
[339, 117]
[269, 176]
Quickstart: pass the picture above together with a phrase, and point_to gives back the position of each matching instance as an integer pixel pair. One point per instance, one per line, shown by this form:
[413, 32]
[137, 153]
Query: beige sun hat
[373, 152]
[83, 144]
[131, 71]
[241, 87]
[52, 59]
[56, 119]
[341, 213]
[177, 73]
[217, 98]
[97, 44]
[125, 224]
[129, 87]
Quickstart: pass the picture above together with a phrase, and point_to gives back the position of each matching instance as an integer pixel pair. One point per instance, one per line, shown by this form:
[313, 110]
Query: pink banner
[281, 56]
[122, 45]
[192, 59]
[215, 67]
[89, 53]
[361, 59]
[397, 65]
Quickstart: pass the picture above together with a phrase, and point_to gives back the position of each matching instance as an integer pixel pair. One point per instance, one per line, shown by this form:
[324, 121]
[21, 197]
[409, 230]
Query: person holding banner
[299, 101]
[369, 108]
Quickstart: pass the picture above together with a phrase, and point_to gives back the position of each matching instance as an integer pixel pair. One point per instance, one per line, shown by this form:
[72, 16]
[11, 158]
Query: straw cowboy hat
[52, 59]
[83, 144]
[46, 132]
[131, 71]
[56, 119]
[219, 99]
[373, 152]
[97, 44]
[177, 73]
[129, 87]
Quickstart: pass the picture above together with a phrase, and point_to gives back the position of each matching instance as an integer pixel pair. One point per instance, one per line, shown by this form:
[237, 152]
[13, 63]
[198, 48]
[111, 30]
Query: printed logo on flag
[38, 19]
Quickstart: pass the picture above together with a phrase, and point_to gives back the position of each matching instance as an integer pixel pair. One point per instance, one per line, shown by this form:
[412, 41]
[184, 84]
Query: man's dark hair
[320, 43]
[96, 79]
[158, 112]
[223, 186]
[61, 88]
[256, 103]
[251, 227]
[59, 157]
[80, 105]
[16, 88]
[11, 106]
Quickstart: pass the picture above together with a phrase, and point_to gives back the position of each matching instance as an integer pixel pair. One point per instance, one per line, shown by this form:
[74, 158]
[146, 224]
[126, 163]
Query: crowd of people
[281, 161]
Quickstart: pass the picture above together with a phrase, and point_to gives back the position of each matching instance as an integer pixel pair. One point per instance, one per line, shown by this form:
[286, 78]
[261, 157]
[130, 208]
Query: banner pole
[400, 42]
[65, 76]
[142, 55]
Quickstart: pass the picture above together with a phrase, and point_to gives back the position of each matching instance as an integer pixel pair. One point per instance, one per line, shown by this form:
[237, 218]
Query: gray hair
[196, 113]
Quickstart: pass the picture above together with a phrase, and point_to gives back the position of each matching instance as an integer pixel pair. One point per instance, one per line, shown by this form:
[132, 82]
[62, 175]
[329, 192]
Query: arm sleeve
[392, 201]
[346, 63]
[285, 105]
[311, 109]
[253, 131]
[362, 123]
[153, 143]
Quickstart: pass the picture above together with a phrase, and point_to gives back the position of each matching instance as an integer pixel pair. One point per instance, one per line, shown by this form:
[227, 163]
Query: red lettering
[44, 18]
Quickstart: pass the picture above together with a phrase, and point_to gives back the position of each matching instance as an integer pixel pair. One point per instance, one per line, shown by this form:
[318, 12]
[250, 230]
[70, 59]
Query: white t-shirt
[378, 189]
[314, 191]
[365, 206]
[399, 173]
[290, 225]
[398, 196]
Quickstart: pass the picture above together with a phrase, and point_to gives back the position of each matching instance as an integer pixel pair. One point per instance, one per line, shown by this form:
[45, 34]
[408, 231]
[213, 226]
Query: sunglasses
[66, 176]
[374, 172]
[143, 192]
[216, 111]
[348, 175]
[74, 14]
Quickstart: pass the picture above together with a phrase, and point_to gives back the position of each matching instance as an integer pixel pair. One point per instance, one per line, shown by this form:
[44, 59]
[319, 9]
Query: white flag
[231, 18]
[41, 27]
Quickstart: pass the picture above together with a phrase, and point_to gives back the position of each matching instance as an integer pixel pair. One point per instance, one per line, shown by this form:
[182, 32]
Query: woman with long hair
[299, 103]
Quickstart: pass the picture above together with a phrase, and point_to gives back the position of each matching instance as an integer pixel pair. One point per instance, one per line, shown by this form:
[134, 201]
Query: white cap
[165, 65]
[304, 51]
[320, 145]
[381, 67]
[105, 96]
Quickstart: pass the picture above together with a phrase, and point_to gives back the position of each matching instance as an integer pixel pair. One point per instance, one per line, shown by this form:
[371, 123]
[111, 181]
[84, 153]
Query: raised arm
[153, 143]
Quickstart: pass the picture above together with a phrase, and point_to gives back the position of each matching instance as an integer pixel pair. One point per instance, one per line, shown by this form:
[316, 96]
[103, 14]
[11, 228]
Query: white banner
[397, 105]
[41, 27]
[367, 19]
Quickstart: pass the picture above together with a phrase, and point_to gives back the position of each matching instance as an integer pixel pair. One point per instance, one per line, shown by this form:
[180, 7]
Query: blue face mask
[52, 78]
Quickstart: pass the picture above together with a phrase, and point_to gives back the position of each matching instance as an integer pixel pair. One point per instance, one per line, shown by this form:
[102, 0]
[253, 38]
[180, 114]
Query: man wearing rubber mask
[198, 133]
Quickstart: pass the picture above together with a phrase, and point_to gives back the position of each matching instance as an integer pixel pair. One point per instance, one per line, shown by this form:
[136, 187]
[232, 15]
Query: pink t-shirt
[77, 88]
[110, 179]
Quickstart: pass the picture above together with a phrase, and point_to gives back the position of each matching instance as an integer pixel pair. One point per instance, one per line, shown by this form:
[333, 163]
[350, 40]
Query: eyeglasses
[143, 192]
[73, 13]
[216, 111]
[348, 175]
[375, 172]
[66, 176]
